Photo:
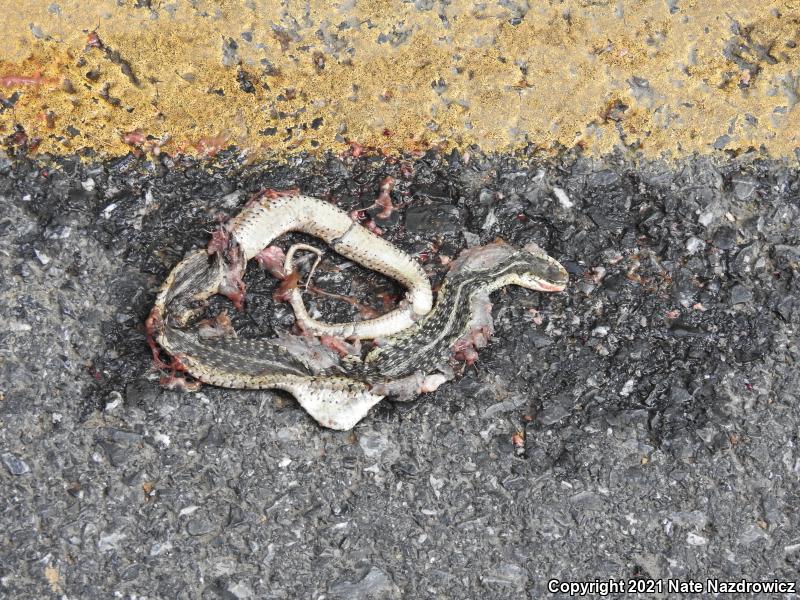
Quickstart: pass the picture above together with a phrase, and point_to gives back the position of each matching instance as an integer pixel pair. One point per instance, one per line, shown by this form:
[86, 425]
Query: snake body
[416, 345]
[270, 217]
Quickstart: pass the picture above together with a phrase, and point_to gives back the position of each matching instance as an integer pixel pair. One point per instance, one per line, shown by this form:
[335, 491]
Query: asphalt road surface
[643, 424]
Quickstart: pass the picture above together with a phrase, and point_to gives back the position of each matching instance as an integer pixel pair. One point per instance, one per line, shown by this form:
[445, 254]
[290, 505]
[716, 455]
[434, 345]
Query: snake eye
[556, 273]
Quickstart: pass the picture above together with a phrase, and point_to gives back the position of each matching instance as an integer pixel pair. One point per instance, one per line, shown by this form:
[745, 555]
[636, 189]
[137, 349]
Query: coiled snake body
[416, 346]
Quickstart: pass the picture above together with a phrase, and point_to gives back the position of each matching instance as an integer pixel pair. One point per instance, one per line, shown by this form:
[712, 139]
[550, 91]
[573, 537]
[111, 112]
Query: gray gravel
[644, 423]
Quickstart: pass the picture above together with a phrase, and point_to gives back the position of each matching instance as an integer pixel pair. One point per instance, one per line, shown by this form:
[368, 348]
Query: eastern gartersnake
[417, 345]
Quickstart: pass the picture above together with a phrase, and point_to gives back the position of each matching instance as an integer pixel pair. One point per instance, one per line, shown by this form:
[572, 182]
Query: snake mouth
[546, 286]
[541, 284]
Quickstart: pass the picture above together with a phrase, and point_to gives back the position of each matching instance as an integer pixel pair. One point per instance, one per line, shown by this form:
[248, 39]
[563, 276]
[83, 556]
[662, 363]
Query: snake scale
[416, 345]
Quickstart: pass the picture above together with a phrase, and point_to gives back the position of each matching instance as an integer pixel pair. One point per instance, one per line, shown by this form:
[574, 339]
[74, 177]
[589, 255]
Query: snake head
[544, 273]
[529, 267]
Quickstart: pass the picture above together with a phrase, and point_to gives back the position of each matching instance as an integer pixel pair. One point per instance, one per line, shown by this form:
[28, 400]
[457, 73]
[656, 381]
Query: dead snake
[416, 345]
